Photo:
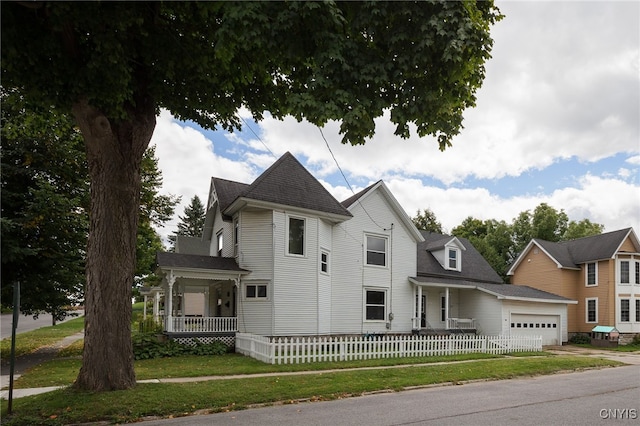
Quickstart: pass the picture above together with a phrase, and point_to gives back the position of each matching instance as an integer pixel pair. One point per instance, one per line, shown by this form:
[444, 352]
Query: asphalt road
[607, 396]
[25, 323]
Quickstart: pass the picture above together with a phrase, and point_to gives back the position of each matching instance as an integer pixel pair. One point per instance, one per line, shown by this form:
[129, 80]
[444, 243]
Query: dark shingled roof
[288, 183]
[227, 191]
[193, 261]
[505, 290]
[474, 266]
[574, 252]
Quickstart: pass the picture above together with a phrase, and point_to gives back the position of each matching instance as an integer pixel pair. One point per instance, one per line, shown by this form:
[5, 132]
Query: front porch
[437, 311]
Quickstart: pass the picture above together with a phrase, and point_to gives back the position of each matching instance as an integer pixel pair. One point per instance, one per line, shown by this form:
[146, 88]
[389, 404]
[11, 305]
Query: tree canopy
[115, 64]
[427, 221]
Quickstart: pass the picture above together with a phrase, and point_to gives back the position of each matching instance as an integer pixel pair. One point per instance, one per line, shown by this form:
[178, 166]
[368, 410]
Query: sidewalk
[632, 358]
[25, 362]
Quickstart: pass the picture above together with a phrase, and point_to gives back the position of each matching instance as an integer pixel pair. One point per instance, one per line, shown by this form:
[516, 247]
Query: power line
[256, 135]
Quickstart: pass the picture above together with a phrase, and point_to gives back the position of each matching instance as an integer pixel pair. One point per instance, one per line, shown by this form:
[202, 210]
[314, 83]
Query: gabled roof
[474, 266]
[350, 202]
[167, 260]
[288, 183]
[227, 191]
[441, 243]
[570, 254]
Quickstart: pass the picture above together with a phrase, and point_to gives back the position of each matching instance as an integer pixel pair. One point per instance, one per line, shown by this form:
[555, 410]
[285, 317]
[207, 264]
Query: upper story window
[592, 274]
[220, 240]
[452, 260]
[324, 262]
[376, 251]
[637, 274]
[296, 236]
[624, 272]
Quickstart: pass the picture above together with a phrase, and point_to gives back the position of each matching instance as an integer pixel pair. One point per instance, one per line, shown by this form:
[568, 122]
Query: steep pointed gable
[288, 183]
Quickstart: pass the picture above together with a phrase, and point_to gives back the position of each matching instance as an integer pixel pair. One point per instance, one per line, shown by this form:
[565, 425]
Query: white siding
[227, 234]
[324, 279]
[485, 308]
[350, 276]
[255, 248]
[295, 283]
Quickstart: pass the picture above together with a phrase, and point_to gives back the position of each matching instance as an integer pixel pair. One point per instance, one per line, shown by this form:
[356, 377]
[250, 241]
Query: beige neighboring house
[601, 272]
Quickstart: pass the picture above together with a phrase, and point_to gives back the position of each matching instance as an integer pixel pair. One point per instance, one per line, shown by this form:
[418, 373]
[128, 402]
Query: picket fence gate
[298, 350]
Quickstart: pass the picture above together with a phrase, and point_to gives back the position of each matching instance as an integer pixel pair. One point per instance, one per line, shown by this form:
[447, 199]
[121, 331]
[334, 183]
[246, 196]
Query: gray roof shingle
[474, 266]
[193, 261]
[574, 252]
[288, 183]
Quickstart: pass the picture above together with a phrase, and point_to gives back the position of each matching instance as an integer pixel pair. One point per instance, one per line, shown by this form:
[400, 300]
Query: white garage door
[547, 326]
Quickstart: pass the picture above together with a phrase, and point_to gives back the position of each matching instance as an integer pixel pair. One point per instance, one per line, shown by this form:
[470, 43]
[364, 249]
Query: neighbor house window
[255, 291]
[324, 262]
[592, 310]
[637, 310]
[296, 236]
[592, 273]
[220, 240]
[624, 310]
[637, 272]
[376, 251]
[624, 272]
[375, 305]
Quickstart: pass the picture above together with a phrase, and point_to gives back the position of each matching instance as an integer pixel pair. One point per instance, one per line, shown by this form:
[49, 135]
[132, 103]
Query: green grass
[31, 341]
[620, 348]
[70, 406]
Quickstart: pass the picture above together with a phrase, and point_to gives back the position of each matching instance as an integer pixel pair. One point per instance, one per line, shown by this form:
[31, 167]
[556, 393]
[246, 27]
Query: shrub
[147, 346]
[580, 339]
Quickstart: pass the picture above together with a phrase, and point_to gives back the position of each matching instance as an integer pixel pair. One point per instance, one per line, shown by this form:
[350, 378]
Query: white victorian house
[282, 257]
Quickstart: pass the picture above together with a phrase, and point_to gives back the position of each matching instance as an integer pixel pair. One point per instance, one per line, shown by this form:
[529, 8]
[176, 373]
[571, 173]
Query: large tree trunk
[114, 153]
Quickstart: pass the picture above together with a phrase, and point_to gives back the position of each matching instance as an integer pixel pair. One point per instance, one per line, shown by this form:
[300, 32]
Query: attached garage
[547, 326]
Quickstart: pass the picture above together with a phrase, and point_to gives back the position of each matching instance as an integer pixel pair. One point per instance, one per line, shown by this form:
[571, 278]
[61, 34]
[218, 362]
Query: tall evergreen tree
[191, 223]
[45, 199]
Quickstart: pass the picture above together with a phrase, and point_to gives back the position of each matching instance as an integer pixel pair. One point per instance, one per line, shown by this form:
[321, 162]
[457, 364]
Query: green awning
[603, 329]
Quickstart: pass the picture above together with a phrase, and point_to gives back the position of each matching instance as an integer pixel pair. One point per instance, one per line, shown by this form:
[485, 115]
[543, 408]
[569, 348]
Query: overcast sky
[557, 121]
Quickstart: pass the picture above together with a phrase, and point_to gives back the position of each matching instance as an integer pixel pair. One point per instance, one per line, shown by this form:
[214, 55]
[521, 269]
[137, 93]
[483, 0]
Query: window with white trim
[624, 272]
[220, 240]
[637, 272]
[637, 310]
[375, 305]
[624, 310]
[295, 232]
[255, 291]
[591, 272]
[324, 262]
[443, 308]
[453, 259]
[376, 250]
[591, 310]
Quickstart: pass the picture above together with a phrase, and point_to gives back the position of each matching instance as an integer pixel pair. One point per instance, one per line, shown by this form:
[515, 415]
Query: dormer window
[453, 259]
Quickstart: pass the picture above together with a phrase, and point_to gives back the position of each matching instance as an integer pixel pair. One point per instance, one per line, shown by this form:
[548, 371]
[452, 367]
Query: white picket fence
[298, 350]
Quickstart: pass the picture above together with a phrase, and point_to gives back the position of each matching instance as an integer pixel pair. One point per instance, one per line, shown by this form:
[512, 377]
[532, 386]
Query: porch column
[171, 279]
[144, 308]
[419, 307]
[156, 305]
[446, 306]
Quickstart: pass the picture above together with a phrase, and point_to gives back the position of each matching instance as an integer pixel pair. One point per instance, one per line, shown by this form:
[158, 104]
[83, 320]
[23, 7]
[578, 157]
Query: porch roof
[166, 260]
[501, 291]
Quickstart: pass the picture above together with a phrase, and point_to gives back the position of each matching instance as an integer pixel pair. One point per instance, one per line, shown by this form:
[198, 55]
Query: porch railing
[204, 325]
[461, 323]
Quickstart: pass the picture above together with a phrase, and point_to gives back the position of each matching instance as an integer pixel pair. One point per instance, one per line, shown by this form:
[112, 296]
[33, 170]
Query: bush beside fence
[297, 350]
